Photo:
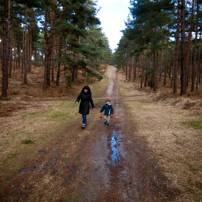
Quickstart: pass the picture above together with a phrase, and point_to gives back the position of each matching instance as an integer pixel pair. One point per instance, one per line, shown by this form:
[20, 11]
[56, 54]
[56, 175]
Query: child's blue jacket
[108, 109]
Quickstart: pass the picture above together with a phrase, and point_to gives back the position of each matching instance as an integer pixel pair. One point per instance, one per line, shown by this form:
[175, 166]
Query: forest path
[100, 163]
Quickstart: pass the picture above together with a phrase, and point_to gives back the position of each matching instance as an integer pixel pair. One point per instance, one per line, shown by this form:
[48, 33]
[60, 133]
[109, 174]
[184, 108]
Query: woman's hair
[87, 88]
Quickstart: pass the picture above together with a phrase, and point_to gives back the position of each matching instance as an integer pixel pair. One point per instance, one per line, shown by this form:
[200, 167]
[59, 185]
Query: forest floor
[151, 151]
[20, 95]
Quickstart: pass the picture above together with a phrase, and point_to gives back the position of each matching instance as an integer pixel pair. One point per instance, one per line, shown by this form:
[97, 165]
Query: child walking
[108, 111]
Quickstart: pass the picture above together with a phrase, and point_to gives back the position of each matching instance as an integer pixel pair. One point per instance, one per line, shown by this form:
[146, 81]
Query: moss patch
[194, 124]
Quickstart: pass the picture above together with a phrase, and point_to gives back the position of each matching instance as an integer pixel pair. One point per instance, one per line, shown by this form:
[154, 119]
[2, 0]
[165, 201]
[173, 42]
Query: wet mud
[101, 163]
[123, 170]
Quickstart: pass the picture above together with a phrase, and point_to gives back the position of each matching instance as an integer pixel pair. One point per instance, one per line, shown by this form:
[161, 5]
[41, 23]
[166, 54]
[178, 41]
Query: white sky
[112, 15]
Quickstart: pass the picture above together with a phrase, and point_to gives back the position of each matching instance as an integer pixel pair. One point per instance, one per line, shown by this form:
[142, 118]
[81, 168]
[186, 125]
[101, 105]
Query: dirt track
[100, 163]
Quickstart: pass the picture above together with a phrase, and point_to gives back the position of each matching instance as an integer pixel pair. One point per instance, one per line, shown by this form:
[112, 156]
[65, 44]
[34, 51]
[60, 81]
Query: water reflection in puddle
[114, 147]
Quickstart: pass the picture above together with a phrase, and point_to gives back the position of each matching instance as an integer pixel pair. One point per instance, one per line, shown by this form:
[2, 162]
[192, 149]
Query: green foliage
[31, 3]
[98, 76]
[149, 71]
[33, 114]
[145, 32]
[27, 142]
[194, 124]
[75, 32]
[84, 44]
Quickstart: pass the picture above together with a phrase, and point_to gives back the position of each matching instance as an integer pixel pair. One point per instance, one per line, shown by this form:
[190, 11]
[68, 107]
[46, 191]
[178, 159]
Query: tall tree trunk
[25, 53]
[4, 59]
[189, 69]
[170, 70]
[2, 47]
[154, 84]
[142, 73]
[11, 55]
[35, 58]
[145, 81]
[30, 51]
[153, 76]
[126, 69]
[161, 64]
[58, 71]
[9, 37]
[199, 63]
[129, 71]
[189, 46]
[39, 59]
[172, 73]
[166, 66]
[176, 50]
[195, 50]
[15, 56]
[49, 44]
[19, 56]
[134, 69]
[46, 50]
[23, 50]
[183, 52]
[52, 42]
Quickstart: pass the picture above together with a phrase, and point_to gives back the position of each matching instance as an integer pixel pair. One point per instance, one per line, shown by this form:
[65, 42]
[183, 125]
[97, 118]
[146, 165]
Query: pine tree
[146, 30]
[5, 54]
[195, 50]
[71, 38]
[183, 50]
[176, 49]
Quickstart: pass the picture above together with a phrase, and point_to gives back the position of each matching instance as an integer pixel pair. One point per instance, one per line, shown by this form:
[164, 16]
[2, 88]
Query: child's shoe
[105, 122]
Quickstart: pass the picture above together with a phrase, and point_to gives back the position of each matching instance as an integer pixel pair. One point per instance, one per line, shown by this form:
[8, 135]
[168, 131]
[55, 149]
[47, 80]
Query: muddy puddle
[115, 138]
[122, 171]
[115, 147]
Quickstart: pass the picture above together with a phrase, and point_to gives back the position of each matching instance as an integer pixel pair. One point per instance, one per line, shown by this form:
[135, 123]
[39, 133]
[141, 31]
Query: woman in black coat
[85, 97]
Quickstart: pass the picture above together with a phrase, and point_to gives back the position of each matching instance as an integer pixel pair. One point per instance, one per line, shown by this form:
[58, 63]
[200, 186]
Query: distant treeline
[163, 39]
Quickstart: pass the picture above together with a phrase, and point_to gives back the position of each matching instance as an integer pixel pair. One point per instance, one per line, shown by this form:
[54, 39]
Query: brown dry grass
[40, 125]
[19, 92]
[192, 101]
[36, 118]
[164, 92]
[165, 126]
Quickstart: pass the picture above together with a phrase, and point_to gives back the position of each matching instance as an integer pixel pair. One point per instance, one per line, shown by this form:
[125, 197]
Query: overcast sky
[112, 15]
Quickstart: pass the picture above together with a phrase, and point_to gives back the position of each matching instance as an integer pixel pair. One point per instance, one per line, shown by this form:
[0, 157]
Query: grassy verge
[173, 136]
[36, 129]
[99, 88]
[196, 124]
[31, 130]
